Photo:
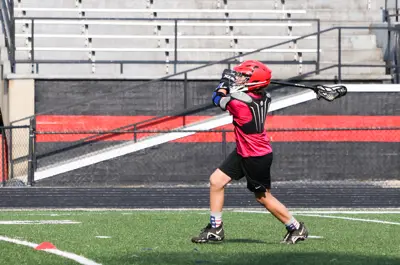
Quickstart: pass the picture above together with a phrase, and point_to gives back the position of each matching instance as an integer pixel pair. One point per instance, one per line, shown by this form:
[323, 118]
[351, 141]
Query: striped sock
[215, 219]
[292, 225]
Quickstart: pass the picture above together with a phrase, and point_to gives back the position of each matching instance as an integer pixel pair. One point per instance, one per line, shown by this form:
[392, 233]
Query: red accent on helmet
[259, 75]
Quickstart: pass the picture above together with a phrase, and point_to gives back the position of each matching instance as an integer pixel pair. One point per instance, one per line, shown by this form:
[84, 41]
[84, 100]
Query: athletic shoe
[292, 237]
[209, 234]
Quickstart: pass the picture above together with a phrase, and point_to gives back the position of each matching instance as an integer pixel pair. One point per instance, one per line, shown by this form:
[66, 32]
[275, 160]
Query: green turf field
[160, 237]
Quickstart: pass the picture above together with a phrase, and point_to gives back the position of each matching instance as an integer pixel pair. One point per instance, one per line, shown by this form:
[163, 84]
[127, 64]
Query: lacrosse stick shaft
[294, 85]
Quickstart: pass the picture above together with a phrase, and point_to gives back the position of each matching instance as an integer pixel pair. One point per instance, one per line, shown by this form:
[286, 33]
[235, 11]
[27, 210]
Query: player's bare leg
[214, 231]
[296, 231]
[274, 206]
[218, 181]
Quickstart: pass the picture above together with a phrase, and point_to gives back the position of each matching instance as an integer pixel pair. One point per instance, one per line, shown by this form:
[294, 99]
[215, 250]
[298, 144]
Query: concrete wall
[21, 102]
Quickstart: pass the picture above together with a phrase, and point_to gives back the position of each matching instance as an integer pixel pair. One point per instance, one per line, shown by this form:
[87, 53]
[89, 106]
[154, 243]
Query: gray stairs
[358, 45]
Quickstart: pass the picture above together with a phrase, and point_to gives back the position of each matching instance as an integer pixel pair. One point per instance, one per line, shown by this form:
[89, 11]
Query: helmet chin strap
[238, 88]
[243, 87]
[256, 83]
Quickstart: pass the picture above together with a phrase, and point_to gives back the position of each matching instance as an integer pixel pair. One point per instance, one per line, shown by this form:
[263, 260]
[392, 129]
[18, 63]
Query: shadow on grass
[244, 240]
[256, 258]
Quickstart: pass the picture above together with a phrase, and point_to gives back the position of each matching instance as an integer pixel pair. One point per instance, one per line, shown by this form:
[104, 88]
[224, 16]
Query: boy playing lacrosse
[242, 93]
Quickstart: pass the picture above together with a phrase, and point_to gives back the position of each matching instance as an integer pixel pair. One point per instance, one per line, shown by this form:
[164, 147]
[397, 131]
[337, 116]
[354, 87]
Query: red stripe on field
[104, 123]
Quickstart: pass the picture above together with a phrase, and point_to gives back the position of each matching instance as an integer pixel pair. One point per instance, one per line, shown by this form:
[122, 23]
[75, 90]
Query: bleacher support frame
[35, 63]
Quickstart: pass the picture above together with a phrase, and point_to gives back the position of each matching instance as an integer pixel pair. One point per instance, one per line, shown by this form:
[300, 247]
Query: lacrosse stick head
[330, 93]
[252, 75]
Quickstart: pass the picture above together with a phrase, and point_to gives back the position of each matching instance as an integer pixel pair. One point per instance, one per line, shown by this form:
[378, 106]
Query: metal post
[185, 84]
[340, 54]
[32, 45]
[386, 12]
[3, 158]
[176, 45]
[11, 160]
[318, 47]
[30, 154]
[34, 158]
[134, 133]
[396, 56]
[4, 29]
[389, 40]
[224, 143]
[397, 11]
[13, 70]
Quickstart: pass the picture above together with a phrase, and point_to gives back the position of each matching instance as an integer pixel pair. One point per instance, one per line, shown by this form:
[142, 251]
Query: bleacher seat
[206, 40]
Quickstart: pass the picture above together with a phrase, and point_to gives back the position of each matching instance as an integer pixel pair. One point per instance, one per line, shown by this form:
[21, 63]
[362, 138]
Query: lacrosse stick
[328, 93]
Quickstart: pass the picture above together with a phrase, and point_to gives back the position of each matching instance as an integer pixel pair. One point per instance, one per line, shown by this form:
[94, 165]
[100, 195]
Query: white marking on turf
[347, 212]
[39, 222]
[332, 217]
[317, 237]
[68, 255]
[48, 214]
[81, 211]
[325, 212]
[103, 237]
[352, 219]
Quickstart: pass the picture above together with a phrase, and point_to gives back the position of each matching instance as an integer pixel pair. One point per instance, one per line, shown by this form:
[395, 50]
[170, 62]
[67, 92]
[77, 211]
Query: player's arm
[220, 96]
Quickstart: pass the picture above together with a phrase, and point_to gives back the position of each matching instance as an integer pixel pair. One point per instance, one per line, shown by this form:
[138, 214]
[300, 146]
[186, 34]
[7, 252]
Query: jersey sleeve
[239, 111]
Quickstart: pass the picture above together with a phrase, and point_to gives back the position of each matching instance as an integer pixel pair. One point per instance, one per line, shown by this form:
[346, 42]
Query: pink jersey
[248, 145]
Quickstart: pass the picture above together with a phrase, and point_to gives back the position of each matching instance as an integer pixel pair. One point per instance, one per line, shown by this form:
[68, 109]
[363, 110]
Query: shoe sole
[207, 241]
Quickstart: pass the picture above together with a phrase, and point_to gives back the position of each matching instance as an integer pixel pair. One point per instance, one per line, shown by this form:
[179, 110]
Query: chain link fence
[15, 151]
[136, 157]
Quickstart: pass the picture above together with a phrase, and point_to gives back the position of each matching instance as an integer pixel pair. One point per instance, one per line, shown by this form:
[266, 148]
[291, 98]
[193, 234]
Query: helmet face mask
[241, 78]
[253, 75]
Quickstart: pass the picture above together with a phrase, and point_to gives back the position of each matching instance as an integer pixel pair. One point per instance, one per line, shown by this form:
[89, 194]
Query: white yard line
[311, 214]
[68, 255]
[328, 212]
[351, 219]
[81, 211]
[316, 237]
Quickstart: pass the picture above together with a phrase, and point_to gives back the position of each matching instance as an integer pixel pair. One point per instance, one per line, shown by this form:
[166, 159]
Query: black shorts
[257, 170]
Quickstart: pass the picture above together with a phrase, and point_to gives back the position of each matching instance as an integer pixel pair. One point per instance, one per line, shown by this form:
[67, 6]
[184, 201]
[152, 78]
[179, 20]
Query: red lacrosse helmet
[257, 74]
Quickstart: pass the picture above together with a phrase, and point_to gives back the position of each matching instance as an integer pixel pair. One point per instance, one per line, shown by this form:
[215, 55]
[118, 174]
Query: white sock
[293, 224]
[215, 219]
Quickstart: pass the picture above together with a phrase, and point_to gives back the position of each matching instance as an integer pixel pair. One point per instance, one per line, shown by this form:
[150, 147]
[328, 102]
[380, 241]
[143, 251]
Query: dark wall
[159, 98]
[193, 162]
[119, 97]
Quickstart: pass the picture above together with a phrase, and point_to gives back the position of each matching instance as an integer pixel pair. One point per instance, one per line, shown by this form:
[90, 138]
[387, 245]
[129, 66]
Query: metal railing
[8, 21]
[35, 63]
[387, 14]
[185, 111]
[393, 39]
[390, 65]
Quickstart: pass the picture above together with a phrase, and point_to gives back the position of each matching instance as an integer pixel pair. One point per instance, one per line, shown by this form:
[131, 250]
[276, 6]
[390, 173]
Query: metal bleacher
[143, 33]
